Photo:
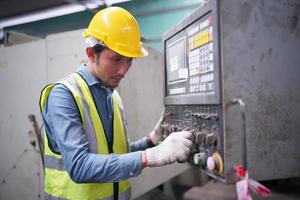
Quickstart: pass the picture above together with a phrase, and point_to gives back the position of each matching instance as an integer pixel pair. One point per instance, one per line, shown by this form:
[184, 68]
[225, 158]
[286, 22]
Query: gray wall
[26, 68]
[22, 74]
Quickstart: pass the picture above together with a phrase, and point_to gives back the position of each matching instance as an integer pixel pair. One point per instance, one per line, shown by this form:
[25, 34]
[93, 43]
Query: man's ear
[90, 54]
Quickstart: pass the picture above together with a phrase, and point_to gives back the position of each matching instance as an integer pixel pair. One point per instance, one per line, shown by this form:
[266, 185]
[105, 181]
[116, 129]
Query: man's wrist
[144, 160]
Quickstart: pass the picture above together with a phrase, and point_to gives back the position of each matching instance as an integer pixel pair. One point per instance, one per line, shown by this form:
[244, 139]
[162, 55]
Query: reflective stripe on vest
[122, 196]
[58, 184]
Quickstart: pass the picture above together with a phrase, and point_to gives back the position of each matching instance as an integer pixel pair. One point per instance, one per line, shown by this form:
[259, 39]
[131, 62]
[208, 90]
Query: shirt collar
[91, 79]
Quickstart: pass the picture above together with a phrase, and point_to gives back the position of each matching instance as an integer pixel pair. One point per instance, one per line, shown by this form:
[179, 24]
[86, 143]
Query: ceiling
[13, 8]
[15, 12]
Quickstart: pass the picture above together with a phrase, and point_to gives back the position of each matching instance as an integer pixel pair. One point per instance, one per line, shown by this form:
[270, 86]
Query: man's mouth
[117, 78]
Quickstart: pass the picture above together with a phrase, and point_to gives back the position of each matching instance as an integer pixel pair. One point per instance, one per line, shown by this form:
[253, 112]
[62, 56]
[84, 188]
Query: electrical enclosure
[234, 49]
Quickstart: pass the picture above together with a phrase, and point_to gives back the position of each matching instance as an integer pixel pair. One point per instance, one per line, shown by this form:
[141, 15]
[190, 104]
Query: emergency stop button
[215, 164]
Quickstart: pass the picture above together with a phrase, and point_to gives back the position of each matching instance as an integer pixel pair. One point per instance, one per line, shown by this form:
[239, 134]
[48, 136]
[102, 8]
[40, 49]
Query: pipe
[242, 106]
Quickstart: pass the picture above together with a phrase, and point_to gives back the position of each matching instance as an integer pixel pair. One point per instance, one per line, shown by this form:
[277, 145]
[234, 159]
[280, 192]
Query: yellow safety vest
[58, 184]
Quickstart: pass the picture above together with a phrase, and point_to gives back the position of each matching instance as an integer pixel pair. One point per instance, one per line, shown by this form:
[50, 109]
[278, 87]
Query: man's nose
[123, 69]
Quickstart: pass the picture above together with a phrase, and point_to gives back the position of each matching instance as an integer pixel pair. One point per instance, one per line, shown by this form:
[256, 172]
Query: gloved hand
[156, 135]
[176, 147]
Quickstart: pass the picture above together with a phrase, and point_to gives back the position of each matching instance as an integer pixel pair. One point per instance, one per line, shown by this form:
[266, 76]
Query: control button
[213, 128]
[214, 117]
[207, 117]
[211, 164]
[211, 139]
[196, 125]
[175, 129]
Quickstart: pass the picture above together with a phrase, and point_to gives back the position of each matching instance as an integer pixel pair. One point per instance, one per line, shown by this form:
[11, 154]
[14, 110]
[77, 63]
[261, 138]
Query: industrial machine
[232, 77]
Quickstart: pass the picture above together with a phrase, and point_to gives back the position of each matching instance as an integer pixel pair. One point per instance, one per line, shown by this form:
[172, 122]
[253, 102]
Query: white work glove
[176, 147]
[156, 135]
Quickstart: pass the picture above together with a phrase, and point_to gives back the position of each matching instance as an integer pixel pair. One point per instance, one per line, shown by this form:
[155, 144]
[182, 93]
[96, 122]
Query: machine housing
[233, 50]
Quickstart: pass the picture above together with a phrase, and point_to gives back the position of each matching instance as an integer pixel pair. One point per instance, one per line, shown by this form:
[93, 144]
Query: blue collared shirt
[66, 136]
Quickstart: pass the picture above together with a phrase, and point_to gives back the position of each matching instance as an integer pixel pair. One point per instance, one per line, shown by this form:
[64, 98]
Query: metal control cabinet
[237, 49]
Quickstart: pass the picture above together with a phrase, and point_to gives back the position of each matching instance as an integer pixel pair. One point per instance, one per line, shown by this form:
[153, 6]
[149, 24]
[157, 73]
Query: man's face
[110, 67]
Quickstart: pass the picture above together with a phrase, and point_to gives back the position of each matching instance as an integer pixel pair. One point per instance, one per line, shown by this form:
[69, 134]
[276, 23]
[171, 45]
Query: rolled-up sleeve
[140, 145]
[66, 136]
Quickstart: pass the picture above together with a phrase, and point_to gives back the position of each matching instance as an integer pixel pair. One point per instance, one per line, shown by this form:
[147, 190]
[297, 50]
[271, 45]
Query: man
[86, 151]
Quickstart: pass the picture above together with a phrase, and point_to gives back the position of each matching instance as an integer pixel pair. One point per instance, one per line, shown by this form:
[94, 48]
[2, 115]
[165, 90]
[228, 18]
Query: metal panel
[261, 59]
[259, 63]
[22, 76]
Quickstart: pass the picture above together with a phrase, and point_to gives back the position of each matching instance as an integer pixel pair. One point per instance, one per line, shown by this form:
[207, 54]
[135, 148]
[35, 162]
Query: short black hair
[98, 48]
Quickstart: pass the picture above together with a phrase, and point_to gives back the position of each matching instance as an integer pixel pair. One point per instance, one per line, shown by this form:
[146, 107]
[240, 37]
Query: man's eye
[116, 59]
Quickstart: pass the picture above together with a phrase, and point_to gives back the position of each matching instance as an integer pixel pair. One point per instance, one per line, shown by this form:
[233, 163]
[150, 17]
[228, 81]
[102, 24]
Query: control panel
[192, 63]
[205, 122]
[215, 86]
[193, 89]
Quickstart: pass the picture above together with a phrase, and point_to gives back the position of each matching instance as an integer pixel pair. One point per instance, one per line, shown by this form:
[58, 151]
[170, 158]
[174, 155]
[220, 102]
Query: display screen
[176, 66]
[189, 58]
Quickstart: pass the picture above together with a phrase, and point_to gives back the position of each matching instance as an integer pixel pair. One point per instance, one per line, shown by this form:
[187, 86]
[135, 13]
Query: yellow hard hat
[118, 30]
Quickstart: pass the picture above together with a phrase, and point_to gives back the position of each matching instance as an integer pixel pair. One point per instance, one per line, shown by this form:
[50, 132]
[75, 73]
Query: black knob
[211, 139]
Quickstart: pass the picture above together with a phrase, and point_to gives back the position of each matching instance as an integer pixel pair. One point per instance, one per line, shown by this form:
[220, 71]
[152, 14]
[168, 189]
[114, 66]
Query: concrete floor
[281, 190]
[213, 190]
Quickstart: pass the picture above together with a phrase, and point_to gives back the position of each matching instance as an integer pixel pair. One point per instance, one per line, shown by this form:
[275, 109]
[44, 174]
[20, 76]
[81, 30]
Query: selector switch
[200, 137]
[211, 139]
[205, 124]
[207, 117]
[200, 159]
[175, 129]
[215, 117]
